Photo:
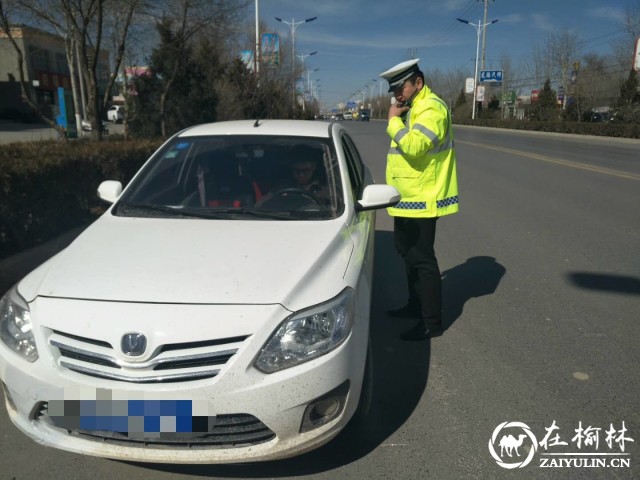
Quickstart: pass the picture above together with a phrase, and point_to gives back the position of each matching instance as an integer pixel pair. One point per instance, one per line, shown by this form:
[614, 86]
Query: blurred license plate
[140, 418]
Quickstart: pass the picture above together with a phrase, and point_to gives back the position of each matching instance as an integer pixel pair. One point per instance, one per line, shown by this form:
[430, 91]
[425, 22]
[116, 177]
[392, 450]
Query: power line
[453, 26]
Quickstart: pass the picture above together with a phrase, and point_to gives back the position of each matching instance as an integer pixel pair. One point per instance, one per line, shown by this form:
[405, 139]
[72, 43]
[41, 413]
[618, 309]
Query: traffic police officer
[421, 164]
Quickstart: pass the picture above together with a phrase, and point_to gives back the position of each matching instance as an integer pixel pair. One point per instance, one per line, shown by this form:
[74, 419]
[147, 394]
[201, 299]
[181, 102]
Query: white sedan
[218, 312]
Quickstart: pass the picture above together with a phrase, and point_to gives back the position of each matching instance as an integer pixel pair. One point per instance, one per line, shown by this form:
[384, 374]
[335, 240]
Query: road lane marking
[557, 161]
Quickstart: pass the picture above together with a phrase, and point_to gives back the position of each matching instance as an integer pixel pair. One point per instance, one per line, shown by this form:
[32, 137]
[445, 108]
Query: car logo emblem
[133, 344]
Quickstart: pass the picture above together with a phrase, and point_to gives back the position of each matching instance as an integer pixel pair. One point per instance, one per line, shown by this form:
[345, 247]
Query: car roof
[293, 128]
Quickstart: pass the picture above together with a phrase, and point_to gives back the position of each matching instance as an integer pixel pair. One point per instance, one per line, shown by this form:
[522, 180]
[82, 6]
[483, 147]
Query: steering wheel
[283, 192]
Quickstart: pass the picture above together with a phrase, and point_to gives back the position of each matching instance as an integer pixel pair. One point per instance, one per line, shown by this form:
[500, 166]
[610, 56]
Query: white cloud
[608, 13]
[381, 41]
[452, 5]
[512, 18]
[542, 22]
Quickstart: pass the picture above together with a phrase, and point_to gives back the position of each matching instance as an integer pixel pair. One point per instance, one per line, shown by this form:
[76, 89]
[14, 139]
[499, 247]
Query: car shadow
[623, 284]
[399, 379]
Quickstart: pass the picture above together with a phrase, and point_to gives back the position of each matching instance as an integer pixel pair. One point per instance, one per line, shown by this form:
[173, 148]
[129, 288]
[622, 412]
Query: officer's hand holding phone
[397, 109]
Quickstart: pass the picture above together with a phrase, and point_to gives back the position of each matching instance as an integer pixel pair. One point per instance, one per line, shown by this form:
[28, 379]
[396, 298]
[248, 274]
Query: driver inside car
[304, 176]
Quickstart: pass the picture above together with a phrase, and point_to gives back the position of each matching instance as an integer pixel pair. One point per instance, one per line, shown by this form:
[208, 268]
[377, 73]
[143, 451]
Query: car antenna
[257, 124]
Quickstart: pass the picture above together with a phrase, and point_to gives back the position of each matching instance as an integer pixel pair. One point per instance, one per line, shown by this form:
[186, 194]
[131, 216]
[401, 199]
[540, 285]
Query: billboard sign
[490, 75]
[270, 50]
[509, 97]
[468, 85]
[480, 94]
[534, 95]
[636, 56]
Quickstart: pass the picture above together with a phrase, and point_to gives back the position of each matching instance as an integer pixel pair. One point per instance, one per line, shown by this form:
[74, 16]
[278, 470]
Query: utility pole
[256, 57]
[484, 32]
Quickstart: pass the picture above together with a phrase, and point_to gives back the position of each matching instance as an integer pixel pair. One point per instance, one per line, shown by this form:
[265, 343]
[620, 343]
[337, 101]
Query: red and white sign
[534, 95]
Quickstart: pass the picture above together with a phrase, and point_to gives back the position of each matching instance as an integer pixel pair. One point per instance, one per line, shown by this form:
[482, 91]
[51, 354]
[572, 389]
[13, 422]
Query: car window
[238, 176]
[354, 165]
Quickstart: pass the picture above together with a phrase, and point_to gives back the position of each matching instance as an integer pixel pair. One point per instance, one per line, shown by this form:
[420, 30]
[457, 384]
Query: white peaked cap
[398, 74]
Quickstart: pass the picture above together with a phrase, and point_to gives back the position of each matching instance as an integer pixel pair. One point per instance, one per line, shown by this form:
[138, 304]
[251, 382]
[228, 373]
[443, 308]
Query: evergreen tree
[547, 103]
[629, 90]
[180, 90]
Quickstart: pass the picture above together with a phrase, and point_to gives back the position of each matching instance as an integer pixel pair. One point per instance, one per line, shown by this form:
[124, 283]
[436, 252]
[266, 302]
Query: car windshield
[238, 177]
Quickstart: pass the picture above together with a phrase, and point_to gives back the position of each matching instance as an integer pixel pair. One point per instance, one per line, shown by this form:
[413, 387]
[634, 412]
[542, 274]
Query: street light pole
[293, 25]
[479, 29]
[302, 57]
[309, 72]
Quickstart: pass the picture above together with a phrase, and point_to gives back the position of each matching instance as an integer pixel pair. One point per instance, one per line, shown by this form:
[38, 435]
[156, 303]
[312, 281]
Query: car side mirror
[109, 190]
[377, 196]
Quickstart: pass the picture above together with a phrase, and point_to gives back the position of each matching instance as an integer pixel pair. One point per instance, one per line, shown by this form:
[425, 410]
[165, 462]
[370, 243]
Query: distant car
[347, 116]
[365, 115]
[214, 313]
[337, 117]
[600, 117]
[86, 126]
[115, 113]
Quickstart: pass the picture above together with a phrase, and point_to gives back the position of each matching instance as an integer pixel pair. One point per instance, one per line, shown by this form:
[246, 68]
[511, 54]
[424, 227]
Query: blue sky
[358, 39]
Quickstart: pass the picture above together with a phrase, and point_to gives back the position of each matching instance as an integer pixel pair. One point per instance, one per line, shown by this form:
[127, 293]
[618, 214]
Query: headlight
[309, 334]
[15, 325]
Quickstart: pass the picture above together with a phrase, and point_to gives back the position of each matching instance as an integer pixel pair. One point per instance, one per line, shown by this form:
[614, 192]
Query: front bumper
[276, 402]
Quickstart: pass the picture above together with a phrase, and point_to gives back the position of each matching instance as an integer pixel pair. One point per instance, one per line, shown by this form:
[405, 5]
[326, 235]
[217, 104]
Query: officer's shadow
[477, 277]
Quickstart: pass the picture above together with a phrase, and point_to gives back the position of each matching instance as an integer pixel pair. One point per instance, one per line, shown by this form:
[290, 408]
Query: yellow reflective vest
[421, 162]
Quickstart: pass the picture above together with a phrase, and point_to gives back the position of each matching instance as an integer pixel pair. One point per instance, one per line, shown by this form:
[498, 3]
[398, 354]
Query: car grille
[178, 362]
[235, 430]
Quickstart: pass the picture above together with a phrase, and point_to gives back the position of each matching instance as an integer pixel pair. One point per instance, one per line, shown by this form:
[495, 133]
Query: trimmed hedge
[49, 187]
[625, 130]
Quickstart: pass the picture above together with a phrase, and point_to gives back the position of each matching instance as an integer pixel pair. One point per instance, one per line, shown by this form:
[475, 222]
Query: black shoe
[408, 311]
[417, 333]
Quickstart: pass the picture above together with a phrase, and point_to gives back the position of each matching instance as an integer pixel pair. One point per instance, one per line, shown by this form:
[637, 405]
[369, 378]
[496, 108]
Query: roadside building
[45, 70]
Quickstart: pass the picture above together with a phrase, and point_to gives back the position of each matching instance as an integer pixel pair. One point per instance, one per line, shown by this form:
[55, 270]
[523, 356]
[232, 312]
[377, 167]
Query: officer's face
[407, 90]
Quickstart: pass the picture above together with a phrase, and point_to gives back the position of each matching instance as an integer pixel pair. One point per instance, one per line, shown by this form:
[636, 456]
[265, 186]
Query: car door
[361, 225]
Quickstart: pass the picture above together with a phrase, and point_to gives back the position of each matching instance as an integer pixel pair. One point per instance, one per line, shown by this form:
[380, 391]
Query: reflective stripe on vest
[423, 205]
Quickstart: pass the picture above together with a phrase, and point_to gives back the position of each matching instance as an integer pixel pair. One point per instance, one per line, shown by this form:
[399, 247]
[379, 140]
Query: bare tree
[81, 23]
[632, 19]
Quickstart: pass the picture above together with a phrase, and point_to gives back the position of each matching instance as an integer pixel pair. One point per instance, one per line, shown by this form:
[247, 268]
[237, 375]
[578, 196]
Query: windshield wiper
[260, 213]
[130, 207]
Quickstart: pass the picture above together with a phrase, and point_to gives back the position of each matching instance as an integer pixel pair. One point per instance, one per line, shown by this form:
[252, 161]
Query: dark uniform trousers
[414, 240]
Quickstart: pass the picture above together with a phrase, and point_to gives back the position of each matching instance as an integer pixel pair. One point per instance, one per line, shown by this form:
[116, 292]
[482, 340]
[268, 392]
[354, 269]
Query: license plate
[139, 418]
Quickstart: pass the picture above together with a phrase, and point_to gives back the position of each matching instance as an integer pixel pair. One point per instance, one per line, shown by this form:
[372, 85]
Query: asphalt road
[542, 296]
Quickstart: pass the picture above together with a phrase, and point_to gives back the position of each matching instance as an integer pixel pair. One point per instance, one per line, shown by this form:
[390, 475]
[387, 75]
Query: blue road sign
[490, 75]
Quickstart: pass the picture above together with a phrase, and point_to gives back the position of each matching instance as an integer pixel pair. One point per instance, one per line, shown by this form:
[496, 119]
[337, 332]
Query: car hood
[197, 262]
